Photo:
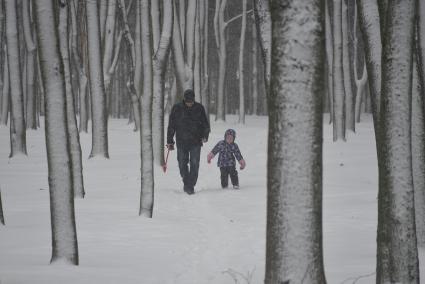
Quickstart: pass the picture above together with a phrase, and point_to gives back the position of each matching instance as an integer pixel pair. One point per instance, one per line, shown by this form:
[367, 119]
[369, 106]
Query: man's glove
[209, 157]
[170, 147]
[204, 140]
[242, 163]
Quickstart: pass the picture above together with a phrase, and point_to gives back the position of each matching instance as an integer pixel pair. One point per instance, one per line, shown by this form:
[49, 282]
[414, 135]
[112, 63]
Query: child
[228, 150]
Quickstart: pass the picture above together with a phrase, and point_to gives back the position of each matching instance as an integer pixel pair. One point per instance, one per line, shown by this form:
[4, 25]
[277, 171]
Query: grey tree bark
[264, 32]
[108, 46]
[397, 255]
[1, 211]
[294, 233]
[159, 67]
[133, 83]
[222, 55]
[418, 105]
[254, 71]
[329, 58]
[370, 27]
[349, 96]
[73, 135]
[31, 119]
[241, 63]
[64, 234]
[97, 89]
[17, 118]
[418, 151]
[6, 90]
[147, 177]
[338, 73]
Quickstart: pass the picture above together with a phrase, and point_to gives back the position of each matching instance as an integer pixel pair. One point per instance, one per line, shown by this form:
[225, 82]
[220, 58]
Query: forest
[86, 91]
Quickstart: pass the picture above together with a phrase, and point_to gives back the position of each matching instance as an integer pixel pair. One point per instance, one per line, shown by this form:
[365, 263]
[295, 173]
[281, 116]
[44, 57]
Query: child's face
[229, 138]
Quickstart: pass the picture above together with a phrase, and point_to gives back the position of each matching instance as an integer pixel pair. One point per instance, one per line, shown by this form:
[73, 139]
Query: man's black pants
[188, 158]
[225, 172]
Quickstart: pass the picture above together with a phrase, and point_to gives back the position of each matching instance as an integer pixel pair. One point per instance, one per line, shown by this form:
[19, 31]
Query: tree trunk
[97, 90]
[147, 173]
[369, 25]
[418, 104]
[17, 120]
[31, 120]
[241, 69]
[264, 32]
[254, 71]
[338, 72]
[222, 55]
[294, 233]
[349, 97]
[108, 47]
[64, 235]
[329, 59]
[73, 136]
[418, 153]
[133, 84]
[159, 68]
[197, 57]
[397, 255]
[182, 71]
[6, 90]
[1, 211]
[189, 43]
[205, 84]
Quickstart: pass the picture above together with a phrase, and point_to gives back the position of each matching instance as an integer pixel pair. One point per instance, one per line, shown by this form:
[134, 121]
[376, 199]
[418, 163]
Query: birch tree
[159, 66]
[147, 177]
[73, 136]
[241, 68]
[294, 233]
[338, 73]
[397, 255]
[64, 235]
[17, 119]
[97, 90]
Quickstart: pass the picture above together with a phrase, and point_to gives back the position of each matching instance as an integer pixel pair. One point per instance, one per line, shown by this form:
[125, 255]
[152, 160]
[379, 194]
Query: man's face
[189, 104]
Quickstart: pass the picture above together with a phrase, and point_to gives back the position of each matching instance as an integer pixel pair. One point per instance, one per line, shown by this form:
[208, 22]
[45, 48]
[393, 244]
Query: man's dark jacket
[190, 124]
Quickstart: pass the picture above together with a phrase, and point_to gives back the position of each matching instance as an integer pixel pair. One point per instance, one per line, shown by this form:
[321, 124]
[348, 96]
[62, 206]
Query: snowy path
[191, 239]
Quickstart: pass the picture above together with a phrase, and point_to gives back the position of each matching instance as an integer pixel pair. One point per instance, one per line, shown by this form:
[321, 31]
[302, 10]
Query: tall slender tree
[338, 74]
[64, 234]
[159, 62]
[397, 255]
[73, 135]
[294, 233]
[17, 118]
[31, 120]
[97, 89]
[147, 177]
[241, 65]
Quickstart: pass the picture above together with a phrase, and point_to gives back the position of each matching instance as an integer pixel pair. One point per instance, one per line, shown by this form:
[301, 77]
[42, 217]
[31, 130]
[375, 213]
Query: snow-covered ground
[213, 236]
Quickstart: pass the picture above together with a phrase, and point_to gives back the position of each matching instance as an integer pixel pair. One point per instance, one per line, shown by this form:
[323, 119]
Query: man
[189, 122]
